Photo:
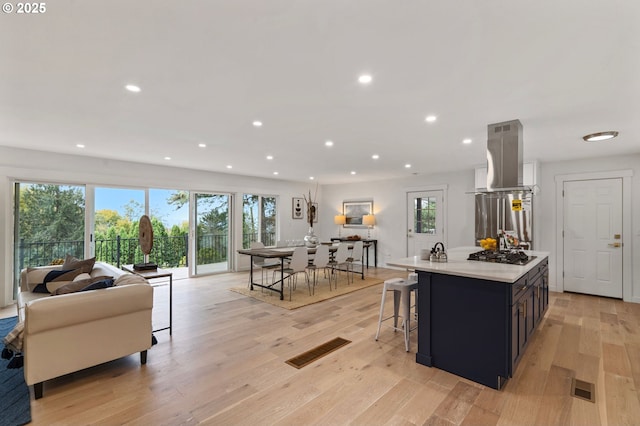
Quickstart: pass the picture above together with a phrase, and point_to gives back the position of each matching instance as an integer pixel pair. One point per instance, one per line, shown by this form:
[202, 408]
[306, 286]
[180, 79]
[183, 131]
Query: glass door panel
[212, 214]
[169, 213]
[117, 215]
[49, 224]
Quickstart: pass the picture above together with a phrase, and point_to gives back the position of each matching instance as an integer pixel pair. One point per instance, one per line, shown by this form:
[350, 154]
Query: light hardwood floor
[225, 365]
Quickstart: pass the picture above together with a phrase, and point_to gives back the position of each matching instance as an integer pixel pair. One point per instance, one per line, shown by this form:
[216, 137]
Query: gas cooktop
[510, 257]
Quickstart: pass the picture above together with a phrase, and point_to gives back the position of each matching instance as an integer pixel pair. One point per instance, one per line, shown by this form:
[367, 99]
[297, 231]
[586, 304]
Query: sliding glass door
[212, 244]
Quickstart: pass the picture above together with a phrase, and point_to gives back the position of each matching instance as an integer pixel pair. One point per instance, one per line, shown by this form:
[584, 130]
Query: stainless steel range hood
[504, 155]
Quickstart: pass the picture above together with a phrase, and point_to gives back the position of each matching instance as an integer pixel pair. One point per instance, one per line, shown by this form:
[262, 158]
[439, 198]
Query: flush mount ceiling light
[269, 157]
[430, 118]
[600, 136]
[202, 145]
[466, 141]
[257, 123]
[79, 145]
[328, 143]
[365, 79]
[132, 88]
[407, 166]
[167, 158]
[375, 156]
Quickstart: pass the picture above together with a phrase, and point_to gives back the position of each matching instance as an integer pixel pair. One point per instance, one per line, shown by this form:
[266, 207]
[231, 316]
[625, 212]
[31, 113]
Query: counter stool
[402, 289]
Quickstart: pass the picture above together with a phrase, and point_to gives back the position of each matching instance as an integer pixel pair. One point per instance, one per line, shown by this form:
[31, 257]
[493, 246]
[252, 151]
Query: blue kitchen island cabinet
[475, 319]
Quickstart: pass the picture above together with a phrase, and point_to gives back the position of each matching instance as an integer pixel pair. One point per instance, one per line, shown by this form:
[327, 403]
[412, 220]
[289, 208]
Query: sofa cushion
[71, 262]
[85, 284]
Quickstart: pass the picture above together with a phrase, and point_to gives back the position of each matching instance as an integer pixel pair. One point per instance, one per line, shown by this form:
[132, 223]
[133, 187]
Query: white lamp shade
[369, 220]
[339, 219]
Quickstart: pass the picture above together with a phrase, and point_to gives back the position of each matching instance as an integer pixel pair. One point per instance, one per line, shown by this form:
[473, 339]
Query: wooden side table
[155, 274]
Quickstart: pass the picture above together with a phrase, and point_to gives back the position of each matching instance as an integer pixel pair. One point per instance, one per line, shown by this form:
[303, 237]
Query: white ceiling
[208, 69]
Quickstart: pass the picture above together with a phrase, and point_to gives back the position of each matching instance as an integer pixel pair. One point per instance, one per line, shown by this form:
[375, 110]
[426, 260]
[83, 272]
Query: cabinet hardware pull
[524, 309]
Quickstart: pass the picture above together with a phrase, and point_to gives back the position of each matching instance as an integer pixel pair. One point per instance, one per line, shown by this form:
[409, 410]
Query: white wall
[390, 207]
[34, 166]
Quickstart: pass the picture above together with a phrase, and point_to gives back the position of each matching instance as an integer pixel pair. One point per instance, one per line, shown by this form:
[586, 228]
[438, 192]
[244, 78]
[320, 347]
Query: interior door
[593, 237]
[425, 220]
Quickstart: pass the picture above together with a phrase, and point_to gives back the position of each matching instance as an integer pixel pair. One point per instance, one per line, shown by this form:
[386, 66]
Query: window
[258, 220]
[425, 215]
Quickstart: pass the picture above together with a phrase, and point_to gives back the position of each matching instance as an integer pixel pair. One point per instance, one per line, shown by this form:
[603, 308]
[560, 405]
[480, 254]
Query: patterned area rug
[300, 296]
[15, 405]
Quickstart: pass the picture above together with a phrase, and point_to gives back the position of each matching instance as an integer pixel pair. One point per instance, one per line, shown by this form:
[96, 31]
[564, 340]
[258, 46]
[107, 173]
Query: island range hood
[505, 204]
[504, 155]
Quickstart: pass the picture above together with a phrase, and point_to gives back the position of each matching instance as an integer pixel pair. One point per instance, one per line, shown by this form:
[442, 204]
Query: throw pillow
[85, 266]
[55, 279]
[80, 285]
[99, 284]
[127, 279]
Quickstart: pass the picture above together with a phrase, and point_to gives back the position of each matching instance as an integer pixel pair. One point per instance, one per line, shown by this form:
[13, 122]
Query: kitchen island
[475, 318]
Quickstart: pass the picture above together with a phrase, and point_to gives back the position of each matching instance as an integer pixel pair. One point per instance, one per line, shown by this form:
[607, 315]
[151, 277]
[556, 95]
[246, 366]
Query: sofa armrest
[82, 307]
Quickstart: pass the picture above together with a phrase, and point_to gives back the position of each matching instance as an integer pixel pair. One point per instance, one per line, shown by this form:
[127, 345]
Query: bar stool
[402, 289]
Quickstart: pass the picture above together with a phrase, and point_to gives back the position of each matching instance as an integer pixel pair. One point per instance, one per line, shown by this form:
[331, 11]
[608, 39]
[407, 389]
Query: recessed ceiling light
[430, 118]
[466, 141]
[375, 156]
[202, 145]
[275, 173]
[229, 166]
[353, 172]
[269, 157]
[79, 145]
[407, 166]
[132, 88]
[600, 136]
[257, 123]
[311, 178]
[365, 79]
[328, 143]
[167, 158]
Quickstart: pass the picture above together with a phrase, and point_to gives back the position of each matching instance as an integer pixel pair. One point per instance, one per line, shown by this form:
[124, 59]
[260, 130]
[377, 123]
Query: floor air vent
[583, 390]
[318, 352]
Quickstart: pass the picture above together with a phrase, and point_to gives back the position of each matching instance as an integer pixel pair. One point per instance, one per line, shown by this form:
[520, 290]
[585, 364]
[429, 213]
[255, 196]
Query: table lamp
[369, 220]
[339, 220]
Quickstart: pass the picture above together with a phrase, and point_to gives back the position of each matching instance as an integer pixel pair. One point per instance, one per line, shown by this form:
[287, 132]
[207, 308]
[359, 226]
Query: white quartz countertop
[458, 264]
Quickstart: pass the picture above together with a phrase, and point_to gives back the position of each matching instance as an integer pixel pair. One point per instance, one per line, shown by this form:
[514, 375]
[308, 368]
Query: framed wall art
[297, 208]
[354, 210]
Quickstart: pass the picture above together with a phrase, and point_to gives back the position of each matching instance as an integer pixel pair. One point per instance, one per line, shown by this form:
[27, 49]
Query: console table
[153, 274]
[371, 242]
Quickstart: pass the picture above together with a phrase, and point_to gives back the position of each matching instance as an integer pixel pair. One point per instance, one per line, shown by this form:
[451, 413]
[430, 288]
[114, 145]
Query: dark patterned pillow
[85, 266]
[55, 279]
[82, 285]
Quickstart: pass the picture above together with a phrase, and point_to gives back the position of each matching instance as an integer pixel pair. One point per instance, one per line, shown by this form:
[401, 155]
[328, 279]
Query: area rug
[15, 404]
[300, 296]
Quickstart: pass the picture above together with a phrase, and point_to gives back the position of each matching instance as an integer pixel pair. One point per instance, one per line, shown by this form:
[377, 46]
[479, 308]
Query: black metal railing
[167, 252]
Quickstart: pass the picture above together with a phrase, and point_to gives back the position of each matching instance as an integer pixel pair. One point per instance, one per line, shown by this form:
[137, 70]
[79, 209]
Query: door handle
[615, 245]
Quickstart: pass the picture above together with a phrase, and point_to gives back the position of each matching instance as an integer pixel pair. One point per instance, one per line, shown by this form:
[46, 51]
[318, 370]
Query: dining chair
[320, 261]
[356, 257]
[298, 264]
[339, 259]
[261, 262]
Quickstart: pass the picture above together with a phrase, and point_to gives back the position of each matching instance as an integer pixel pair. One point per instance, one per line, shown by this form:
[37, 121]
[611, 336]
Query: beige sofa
[70, 332]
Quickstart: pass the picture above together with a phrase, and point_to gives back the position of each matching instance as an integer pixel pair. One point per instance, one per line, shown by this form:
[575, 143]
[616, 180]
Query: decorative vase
[311, 239]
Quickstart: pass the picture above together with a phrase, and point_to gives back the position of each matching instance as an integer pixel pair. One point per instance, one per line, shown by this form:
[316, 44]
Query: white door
[593, 237]
[425, 220]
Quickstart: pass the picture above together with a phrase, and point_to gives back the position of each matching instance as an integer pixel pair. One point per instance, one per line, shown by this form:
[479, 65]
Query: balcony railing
[167, 252]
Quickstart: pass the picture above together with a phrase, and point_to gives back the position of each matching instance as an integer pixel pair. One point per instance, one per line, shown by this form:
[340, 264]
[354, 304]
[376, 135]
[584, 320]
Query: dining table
[283, 253]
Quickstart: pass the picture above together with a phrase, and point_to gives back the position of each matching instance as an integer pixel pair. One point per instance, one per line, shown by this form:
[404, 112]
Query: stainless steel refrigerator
[506, 211]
